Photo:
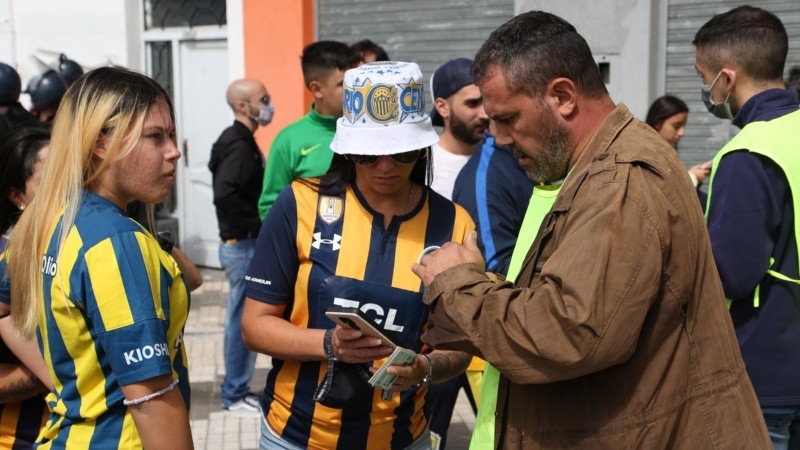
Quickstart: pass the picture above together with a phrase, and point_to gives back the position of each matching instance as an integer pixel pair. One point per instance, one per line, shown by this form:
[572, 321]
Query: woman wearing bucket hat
[348, 239]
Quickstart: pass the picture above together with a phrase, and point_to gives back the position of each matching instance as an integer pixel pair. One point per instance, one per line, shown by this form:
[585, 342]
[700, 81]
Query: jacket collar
[596, 150]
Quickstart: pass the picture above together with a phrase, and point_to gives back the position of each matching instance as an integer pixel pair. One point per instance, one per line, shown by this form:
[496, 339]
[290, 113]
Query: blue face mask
[721, 110]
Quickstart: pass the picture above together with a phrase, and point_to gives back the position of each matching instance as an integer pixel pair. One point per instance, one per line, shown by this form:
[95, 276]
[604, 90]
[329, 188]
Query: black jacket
[237, 166]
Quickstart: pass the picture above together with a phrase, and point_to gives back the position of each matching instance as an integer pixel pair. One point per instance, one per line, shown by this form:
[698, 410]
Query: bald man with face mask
[237, 165]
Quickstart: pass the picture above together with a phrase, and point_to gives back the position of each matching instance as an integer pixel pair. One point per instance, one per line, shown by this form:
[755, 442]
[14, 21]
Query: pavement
[216, 429]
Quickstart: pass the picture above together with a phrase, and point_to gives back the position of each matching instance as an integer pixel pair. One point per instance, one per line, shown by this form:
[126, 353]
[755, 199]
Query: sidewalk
[216, 429]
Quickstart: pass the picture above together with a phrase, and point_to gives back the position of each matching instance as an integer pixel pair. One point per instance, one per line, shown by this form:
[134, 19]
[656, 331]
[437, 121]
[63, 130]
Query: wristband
[426, 381]
[327, 345]
[326, 385]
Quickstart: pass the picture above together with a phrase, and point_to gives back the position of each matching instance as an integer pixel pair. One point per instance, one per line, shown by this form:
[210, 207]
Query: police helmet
[46, 89]
[69, 69]
[10, 85]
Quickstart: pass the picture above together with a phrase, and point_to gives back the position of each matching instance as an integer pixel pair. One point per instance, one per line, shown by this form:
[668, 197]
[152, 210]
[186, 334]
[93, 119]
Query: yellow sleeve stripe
[109, 289]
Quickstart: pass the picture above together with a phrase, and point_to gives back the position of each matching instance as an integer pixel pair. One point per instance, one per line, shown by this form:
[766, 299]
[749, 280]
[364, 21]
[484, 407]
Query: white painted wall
[235, 38]
[94, 33]
[625, 32]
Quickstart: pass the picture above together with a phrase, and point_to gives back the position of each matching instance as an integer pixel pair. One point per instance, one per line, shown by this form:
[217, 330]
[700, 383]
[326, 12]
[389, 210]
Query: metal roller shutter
[705, 134]
[428, 32]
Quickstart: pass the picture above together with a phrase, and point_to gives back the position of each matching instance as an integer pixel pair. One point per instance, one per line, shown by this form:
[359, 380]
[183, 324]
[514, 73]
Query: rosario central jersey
[114, 309]
[20, 422]
[317, 250]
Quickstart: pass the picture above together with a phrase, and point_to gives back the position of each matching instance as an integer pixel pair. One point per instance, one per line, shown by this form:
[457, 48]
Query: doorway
[203, 114]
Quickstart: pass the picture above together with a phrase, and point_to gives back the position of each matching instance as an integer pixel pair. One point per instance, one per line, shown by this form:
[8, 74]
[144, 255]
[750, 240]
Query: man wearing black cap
[458, 107]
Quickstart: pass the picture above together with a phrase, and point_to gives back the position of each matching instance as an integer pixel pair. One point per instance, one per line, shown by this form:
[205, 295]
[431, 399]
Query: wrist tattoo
[447, 364]
[21, 390]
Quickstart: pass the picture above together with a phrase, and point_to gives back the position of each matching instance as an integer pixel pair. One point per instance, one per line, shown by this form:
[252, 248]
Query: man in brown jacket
[616, 334]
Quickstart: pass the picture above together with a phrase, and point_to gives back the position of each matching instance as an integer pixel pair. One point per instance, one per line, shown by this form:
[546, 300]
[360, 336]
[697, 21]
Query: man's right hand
[451, 254]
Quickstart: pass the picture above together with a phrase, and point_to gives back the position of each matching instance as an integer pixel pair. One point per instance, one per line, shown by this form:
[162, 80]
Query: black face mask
[344, 385]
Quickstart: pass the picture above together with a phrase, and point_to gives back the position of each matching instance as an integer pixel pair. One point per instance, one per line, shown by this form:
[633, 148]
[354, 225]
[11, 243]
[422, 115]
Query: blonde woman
[106, 302]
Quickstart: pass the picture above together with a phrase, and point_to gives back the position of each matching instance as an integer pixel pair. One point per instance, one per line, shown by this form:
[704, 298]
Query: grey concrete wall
[621, 32]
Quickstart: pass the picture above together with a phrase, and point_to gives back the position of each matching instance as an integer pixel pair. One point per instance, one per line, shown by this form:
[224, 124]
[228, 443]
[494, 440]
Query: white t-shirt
[446, 167]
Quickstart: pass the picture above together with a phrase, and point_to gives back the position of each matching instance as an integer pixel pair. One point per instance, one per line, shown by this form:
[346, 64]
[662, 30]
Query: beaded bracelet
[149, 397]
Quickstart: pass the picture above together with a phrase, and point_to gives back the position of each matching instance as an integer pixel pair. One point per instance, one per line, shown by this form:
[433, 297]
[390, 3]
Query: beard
[463, 132]
[552, 163]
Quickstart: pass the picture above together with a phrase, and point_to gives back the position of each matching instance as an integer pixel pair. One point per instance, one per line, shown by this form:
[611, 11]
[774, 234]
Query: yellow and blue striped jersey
[20, 422]
[316, 250]
[114, 308]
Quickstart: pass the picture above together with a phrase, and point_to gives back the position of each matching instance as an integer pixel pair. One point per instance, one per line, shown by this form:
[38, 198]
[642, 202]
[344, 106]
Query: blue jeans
[783, 425]
[239, 361]
[271, 441]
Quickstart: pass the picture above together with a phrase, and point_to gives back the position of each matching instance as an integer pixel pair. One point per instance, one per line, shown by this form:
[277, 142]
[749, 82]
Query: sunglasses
[399, 158]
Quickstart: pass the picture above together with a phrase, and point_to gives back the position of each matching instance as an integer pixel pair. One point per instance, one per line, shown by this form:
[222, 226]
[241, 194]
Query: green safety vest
[541, 201]
[777, 140]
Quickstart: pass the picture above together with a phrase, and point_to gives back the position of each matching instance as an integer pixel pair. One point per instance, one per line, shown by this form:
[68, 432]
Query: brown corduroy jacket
[616, 334]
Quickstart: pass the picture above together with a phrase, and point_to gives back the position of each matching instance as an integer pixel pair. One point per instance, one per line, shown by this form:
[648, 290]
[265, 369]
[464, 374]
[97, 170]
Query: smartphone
[356, 319]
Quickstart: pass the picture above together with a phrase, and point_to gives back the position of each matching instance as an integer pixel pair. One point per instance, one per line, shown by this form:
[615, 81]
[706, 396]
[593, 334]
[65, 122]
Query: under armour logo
[334, 243]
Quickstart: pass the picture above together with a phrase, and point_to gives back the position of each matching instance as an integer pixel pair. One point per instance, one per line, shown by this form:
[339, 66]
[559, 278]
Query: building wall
[34, 32]
[274, 33]
[706, 134]
[624, 33]
[423, 31]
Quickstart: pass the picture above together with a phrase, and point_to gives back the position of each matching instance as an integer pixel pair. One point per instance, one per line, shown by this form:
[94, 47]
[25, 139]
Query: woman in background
[668, 115]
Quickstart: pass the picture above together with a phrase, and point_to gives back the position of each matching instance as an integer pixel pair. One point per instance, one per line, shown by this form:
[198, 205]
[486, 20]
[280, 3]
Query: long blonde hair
[107, 107]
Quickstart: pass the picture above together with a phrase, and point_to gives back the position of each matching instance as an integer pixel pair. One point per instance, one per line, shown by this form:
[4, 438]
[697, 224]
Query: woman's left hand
[410, 375]
[352, 346]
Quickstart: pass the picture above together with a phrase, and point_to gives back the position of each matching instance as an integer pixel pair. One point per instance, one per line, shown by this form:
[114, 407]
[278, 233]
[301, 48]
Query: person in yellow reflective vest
[753, 200]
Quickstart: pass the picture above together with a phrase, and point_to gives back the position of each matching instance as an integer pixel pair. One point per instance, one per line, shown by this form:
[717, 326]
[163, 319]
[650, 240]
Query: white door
[204, 113]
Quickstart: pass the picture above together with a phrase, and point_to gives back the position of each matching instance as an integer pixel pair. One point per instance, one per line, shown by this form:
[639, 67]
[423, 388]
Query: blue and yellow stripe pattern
[115, 305]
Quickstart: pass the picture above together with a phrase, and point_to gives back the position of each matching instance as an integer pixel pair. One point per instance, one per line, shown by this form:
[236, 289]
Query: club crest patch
[330, 209]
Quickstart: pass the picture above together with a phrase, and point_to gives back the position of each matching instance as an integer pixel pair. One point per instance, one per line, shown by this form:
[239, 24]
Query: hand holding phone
[356, 319]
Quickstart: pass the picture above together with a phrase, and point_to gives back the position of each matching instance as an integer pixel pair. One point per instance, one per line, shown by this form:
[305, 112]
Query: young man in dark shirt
[237, 165]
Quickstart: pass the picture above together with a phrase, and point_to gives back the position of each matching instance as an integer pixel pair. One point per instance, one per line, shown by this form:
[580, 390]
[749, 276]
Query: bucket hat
[384, 111]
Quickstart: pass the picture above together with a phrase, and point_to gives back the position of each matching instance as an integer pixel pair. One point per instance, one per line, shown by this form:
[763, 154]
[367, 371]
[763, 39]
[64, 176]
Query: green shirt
[541, 201]
[301, 150]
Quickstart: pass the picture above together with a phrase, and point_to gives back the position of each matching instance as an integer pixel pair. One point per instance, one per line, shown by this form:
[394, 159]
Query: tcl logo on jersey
[334, 243]
[146, 352]
[391, 316]
[49, 265]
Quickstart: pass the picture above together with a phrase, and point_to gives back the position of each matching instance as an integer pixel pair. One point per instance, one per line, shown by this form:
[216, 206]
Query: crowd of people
[544, 251]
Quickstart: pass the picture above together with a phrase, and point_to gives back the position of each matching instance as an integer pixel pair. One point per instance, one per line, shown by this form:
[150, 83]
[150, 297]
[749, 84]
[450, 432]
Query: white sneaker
[248, 403]
[253, 400]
